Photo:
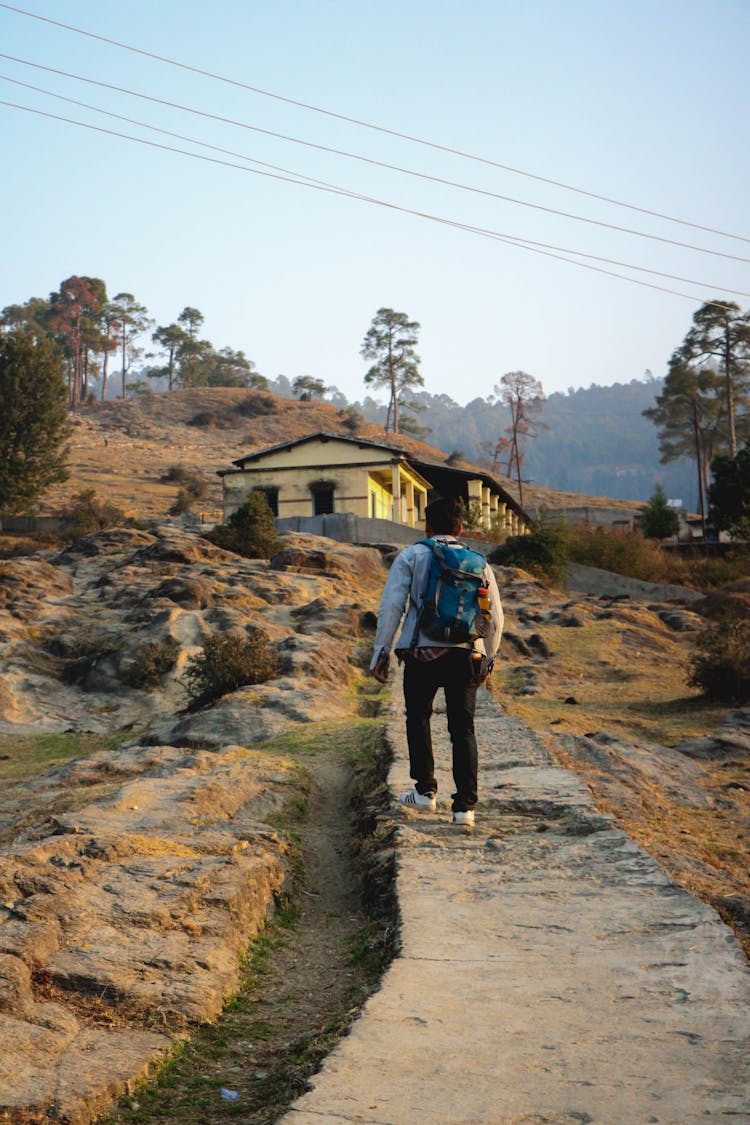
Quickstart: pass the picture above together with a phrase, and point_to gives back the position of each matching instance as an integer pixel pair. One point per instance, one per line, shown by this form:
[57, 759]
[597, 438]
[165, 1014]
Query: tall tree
[169, 337]
[33, 418]
[721, 336]
[109, 329]
[308, 387]
[524, 397]
[33, 316]
[230, 368]
[390, 342]
[132, 321]
[730, 492]
[691, 416]
[191, 319]
[72, 318]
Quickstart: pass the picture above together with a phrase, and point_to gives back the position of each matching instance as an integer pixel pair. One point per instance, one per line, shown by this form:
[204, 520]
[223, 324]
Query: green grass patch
[26, 755]
[359, 739]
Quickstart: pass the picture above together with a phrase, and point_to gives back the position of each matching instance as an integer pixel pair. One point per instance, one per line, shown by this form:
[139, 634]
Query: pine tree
[390, 342]
[33, 419]
[659, 520]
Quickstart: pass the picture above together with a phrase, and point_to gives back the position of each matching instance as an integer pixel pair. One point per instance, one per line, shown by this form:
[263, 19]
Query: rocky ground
[132, 878]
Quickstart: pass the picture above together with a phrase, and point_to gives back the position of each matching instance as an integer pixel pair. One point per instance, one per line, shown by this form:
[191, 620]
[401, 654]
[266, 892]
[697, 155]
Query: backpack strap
[419, 606]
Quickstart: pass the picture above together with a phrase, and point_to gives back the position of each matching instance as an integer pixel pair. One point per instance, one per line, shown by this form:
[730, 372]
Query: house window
[272, 498]
[373, 506]
[322, 500]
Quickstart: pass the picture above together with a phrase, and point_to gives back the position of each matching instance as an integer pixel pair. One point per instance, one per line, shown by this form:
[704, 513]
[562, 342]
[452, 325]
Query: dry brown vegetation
[123, 449]
[621, 677]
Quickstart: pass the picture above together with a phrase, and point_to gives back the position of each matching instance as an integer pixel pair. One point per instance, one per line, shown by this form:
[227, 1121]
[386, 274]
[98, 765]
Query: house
[325, 473]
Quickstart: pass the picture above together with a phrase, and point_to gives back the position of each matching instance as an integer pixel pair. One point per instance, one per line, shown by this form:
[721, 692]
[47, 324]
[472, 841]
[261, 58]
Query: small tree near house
[659, 520]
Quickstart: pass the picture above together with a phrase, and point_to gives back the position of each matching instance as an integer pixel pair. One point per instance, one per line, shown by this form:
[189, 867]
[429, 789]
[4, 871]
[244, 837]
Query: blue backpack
[450, 611]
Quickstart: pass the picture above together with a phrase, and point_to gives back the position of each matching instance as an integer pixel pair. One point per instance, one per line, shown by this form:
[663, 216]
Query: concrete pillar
[474, 488]
[410, 513]
[486, 521]
[396, 487]
[493, 510]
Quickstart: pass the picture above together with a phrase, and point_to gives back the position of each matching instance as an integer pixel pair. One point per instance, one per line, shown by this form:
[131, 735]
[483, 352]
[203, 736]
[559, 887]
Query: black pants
[452, 672]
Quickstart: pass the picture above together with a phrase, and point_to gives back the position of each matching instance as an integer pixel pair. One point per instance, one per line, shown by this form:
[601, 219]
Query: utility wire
[378, 163]
[337, 188]
[293, 179]
[367, 124]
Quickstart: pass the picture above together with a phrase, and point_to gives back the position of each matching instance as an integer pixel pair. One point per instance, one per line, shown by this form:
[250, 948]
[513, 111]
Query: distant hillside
[593, 440]
[122, 449]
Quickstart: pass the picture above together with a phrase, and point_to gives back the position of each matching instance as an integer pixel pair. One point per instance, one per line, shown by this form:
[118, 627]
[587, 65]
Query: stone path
[551, 972]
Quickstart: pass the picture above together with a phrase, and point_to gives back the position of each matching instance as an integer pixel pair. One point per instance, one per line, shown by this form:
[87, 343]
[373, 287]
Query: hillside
[123, 449]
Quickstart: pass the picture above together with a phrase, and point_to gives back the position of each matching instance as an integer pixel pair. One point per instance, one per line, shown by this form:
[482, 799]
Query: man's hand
[380, 671]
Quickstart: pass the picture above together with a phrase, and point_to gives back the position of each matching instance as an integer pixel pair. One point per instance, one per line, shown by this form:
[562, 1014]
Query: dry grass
[123, 449]
[629, 676]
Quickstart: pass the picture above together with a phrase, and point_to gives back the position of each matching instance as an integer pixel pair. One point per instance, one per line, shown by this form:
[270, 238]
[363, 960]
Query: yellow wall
[319, 453]
[363, 479]
[356, 474]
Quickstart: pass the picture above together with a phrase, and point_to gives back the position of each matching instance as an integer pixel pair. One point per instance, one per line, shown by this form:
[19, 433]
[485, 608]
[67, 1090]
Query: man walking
[429, 666]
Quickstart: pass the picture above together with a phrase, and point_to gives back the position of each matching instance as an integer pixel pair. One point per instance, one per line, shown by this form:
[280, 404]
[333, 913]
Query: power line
[513, 239]
[370, 125]
[319, 186]
[378, 163]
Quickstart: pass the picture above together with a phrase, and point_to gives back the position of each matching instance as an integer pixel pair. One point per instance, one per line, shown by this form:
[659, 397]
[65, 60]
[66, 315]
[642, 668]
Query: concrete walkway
[551, 973]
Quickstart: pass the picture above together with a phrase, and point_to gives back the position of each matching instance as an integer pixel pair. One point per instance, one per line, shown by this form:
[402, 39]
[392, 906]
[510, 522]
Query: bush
[86, 513]
[228, 662]
[183, 503]
[250, 531]
[255, 405]
[721, 665]
[192, 483]
[350, 418]
[623, 552]
[152, 662]
[659, 521]
[205, 418]
[544, 553]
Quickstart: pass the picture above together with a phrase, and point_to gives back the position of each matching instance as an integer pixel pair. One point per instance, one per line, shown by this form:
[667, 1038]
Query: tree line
[97, 335]
[701, 409]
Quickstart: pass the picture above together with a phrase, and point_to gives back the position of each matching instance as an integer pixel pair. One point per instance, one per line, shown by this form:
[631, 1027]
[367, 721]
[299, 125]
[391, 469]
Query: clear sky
[645, 101]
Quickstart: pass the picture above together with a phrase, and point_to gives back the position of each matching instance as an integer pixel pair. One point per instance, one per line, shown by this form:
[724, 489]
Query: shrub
[204, 418]
[250, 531]
[623, 552]
[183, 503]
[86, 513]
[543, 553]
[151, 663]
[721, 664]
[659, 520]
[351, 418]
[193, 484]
[255, 405]
[471, 517]
[228, 662]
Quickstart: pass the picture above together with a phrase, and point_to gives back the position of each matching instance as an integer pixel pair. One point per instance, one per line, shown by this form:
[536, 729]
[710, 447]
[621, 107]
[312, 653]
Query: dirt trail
[305, 986]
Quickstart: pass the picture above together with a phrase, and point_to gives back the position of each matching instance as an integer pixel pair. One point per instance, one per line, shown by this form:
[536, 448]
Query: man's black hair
[444, 516]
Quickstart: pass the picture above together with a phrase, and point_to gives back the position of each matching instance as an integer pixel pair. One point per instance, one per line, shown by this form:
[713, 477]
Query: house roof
[320, 435]
[438, 473]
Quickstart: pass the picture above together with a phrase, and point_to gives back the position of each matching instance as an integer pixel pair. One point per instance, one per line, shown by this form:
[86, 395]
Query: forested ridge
[594, 441]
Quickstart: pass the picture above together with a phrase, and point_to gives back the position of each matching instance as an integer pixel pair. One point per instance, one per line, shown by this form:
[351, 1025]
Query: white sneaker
[425, 802]
[466, 818]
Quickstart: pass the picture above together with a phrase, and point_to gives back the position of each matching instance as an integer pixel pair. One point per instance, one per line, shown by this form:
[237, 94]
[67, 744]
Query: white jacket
[406, 583]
